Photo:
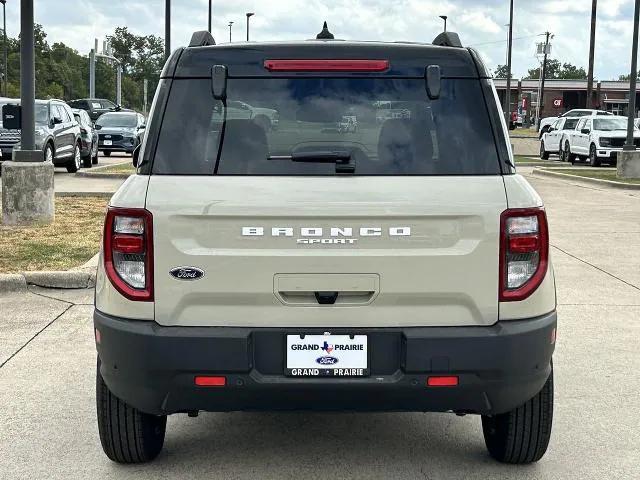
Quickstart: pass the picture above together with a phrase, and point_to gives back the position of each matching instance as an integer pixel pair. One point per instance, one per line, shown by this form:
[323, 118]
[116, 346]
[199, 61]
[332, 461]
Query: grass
[119, 168]
[523, 132]
[531, 160]
[599, 174]
[69, 242]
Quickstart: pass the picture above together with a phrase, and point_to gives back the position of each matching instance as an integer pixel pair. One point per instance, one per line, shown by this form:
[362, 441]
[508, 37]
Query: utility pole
[145, 89]
[4, 34]
[630, 145]
[167, 29]
[209, 24]
[592, 45]
[543, 74]
[507, 102]
[230, 24]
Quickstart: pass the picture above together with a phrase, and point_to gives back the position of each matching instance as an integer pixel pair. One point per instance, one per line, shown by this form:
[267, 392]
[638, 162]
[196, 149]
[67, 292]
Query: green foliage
[501, 72]
[556, 70]
[62, 72]
[626, 78]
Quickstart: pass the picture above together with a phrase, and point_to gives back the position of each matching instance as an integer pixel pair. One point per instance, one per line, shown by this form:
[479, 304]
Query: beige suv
[403, 266]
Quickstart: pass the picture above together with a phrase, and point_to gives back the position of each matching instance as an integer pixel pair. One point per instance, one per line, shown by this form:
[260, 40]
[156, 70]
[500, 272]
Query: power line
[504, 41]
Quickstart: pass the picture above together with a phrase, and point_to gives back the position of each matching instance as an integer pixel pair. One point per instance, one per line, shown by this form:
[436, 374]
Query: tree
[556, 70]
[626, 78]
[501, 72]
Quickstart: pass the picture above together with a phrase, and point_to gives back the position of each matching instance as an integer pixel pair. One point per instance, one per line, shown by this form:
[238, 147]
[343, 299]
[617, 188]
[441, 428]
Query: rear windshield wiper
[342, 159]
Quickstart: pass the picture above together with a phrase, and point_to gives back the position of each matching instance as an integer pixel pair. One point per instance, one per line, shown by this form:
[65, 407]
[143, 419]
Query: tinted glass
[613, 123]
[382, 126]
[117, 120]
[570, 124]
[42, 113]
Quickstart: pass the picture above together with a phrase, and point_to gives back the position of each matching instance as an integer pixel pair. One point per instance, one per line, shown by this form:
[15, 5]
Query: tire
[106, 153]
[127, 435]
[87, 161]
[521, 435]
[94, 153]
[594, 161]
[48, 153]
[544, 155]
[75, 163]
[568, 156]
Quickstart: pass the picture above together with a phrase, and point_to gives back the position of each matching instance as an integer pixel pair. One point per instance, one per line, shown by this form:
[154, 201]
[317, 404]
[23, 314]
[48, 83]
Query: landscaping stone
[629, 164]
[27, 193]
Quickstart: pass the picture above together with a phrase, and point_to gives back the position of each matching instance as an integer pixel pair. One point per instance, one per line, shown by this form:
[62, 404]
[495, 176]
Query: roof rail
[447, 39]
[201, 38]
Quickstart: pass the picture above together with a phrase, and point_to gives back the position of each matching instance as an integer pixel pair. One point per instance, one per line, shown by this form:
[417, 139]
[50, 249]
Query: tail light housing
[524, 252]
[128, 252]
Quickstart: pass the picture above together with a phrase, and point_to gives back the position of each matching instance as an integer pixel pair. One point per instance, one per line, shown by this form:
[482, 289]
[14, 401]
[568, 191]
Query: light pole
[508, 97]
[230, 24]
[167, 29]
[209, 24]
[249, 15]
[4, 35]
[444, 17]
[630, 145]
[592, 45]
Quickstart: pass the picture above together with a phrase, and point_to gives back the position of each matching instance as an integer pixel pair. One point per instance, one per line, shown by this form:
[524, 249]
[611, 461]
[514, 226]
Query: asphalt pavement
[47, 367]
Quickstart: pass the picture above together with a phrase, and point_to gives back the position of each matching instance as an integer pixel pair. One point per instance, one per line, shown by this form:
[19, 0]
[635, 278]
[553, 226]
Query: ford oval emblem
[186, 273]
[327, 360]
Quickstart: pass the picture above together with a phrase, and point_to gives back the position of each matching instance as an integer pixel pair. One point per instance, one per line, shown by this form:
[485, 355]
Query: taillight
[128, 252]
[338, 65]
[524, 252]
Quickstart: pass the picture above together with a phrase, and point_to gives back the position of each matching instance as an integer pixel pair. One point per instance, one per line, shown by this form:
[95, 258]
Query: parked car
[598, 139]
[57, 134]
[89, 138]
[407, 271]
[348, 124]
[552, 141]
[96, 106]
[119, 132]
[267, 118]
[576, 112]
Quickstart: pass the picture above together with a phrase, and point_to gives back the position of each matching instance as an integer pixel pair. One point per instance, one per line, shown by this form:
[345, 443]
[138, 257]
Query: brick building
[563, 95]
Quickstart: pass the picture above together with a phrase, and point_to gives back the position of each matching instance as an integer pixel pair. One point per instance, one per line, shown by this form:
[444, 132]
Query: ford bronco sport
[403, 266]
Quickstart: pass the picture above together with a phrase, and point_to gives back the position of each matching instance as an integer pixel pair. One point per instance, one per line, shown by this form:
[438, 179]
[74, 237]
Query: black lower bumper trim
[152, 367]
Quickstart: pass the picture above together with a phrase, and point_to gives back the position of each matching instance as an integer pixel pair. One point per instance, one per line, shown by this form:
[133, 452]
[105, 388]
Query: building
[563, 95]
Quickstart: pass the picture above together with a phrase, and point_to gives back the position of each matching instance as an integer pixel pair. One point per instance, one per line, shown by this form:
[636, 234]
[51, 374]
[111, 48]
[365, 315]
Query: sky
[481, 24]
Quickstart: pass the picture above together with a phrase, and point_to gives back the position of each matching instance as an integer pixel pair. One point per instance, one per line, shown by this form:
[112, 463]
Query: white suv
[598, 139]
[404, 266]
[553, 139]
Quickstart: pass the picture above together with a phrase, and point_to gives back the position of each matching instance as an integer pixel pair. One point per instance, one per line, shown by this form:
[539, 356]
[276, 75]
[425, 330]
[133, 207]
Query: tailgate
[326, 251]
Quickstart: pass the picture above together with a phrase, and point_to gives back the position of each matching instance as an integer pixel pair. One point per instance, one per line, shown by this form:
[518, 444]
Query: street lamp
[444, 17]
[249, 15]
[630, 145]
[209, 24]
[4, 34]
[230, 24]
[167, 29]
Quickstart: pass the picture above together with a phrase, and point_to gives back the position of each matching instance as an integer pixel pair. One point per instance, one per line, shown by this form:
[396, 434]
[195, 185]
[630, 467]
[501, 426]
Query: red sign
[524, 102]
[557, 102]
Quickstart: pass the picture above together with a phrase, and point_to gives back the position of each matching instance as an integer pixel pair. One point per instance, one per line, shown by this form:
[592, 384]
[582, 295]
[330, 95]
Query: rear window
[300, 126]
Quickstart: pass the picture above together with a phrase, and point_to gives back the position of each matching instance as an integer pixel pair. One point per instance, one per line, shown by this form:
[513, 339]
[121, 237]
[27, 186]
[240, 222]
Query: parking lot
[47, 360]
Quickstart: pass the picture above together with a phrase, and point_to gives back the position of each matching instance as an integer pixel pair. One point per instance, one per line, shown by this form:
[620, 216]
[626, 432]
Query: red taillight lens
[326, 65]
[210, 381]
[524, 252]
[442, 381]
[128, 252]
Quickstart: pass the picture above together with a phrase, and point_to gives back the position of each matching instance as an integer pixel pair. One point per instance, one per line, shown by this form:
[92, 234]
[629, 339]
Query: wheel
[544, 155]
[521, 435]
[48, 153]
[127, 435]
[568, 156]
[76, 160]
[106, 153]
[94, 153]
[593, 156]
[264, 122]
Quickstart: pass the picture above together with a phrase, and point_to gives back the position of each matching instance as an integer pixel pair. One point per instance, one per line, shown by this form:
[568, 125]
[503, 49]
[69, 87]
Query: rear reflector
[207, 381]
[326, 65]
[523, 243]
[449, 381]
[128, 243]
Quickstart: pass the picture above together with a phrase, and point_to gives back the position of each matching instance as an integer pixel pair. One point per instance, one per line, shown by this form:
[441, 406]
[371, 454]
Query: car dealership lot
[48, 428]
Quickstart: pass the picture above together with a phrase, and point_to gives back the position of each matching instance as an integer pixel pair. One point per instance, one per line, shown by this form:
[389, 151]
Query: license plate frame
[310, 363]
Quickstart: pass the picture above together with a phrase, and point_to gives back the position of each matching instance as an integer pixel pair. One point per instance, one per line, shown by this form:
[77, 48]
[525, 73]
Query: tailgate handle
[326, 298]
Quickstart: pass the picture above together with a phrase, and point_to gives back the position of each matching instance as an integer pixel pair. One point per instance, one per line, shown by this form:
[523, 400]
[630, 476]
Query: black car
[88, 138]
[95, 106]
[119, 132]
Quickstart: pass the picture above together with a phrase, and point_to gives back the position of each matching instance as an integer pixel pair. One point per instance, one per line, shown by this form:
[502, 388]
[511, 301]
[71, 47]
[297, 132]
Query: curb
[592, 181]
[83, 277]
[122, 176]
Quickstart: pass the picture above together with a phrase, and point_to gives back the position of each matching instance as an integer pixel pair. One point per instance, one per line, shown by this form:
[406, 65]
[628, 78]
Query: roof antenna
[325, 34]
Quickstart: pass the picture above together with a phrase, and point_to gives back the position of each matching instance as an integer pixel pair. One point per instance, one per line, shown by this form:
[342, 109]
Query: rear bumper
[153, 367]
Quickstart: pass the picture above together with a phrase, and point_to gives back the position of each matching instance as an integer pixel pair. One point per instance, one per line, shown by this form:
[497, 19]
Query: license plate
[327, 356]
[108, 142]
